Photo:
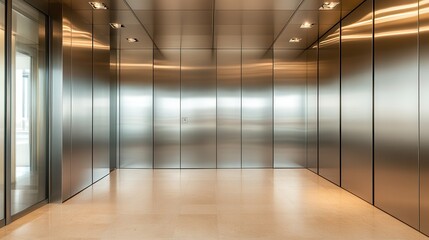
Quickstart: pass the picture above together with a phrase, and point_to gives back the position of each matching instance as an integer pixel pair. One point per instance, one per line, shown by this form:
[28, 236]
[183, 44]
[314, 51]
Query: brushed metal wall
[424, 116]
[257, 108]
[312, 109]
[81, 104]
[135, 107]
[228, 108]
[198, 108]
[396, 129]
[101, 98]
[357, 101]
[114, 66]
[329, 105]
[290, 76]
[167, 108]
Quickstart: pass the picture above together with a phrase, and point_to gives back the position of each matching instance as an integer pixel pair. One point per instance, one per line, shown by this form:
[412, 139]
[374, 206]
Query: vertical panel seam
[419, 112]
[373, 101]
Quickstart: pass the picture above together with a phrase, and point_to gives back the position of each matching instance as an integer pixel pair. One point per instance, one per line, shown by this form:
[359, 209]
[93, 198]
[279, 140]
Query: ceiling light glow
[116, 25]
[307, 25]
[97, 5]
[328, 5]
[295, 40]
[132, 40]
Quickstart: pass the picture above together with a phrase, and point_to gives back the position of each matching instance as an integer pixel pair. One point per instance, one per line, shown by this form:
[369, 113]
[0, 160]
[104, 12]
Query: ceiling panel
[237, 23]
[170, 4]
[258, 5]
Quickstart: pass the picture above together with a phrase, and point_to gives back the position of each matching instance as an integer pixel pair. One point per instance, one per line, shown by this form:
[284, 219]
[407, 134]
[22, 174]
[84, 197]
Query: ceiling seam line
[287, 23]
[144, 28]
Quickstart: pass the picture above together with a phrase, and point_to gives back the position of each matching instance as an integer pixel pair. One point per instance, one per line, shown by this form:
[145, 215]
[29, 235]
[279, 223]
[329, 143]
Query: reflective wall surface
[424, 116]
[356, 102]
[198, 108]
[257, 109]
[101, 96]
[229, 108]
[167, 108]
[136, 109]
[290, 77]
[80, 98]
[2, 108]
[396, 136]
[312, 109]
[329, 105]
[81, 103]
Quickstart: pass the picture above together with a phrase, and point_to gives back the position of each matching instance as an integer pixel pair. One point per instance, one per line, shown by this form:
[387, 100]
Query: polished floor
[210, 204]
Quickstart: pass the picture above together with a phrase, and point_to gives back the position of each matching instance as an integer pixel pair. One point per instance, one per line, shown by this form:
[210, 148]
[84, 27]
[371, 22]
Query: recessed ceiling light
[295, 40]
[328, 5]
[116, 25]
[307, 25]
[132, 40]
[98, 5]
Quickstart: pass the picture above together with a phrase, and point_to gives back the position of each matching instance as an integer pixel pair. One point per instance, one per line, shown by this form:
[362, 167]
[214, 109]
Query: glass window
[29, 107]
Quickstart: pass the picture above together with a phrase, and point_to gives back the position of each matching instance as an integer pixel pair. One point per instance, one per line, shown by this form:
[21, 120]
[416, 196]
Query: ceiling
[223, 23]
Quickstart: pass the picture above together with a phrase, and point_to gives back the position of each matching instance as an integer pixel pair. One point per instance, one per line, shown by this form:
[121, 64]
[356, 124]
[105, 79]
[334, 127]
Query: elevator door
[198, 109]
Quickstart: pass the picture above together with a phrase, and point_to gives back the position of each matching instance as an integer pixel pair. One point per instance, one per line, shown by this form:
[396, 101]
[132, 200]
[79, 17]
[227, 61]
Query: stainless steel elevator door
[167, 108]
[198, 108]
[228, 108]
[329, 105]
[290, 73]
[257, 108]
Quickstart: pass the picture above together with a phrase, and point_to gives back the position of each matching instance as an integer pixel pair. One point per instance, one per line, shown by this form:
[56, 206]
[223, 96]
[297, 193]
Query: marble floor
[211, 204]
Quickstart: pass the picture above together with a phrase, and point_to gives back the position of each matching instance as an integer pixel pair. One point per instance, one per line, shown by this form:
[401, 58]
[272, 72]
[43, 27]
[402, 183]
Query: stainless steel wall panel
[228, 108]
[57, 128]
[290, 76]
[81, 105]
[136, 102]
[101, 101]
[257, 108]
[396, 134]
[357, 102]
[66, 98]
[424, 117]
[329, 105]
[312, 110]
[114, 66]
[198, 108]
[167, 108]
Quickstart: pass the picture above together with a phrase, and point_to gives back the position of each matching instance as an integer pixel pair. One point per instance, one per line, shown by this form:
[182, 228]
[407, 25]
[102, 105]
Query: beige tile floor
[210, 204]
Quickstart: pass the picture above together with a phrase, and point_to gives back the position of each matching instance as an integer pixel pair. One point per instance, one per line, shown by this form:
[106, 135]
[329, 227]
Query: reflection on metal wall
[167, 109]
[114, 66]
[312, 109]
[356, 102]
[424, 116]
[257, 108]
[290, 75]
[81, 105]
[329, 105]
[2, 109]
[198, 109]
[228, 108]
[396, 176]
[136, 123]
[101, 101]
